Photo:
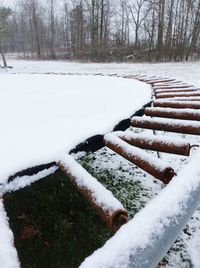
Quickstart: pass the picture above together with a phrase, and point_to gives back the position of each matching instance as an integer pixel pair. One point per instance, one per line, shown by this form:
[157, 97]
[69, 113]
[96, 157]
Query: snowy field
[187, 72]
[28, 102]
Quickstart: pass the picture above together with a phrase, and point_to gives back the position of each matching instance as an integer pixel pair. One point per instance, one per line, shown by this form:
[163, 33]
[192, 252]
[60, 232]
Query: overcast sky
[8, 2]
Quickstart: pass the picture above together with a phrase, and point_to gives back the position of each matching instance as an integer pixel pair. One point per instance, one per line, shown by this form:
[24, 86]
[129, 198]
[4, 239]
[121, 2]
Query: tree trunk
[3, 57]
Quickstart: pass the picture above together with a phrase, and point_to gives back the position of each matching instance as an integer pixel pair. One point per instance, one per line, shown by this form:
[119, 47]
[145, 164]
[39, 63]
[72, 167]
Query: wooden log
[177, 94]
[102, 200]
[185, 99]
[186, 114]
[177, 104]
[175, 82]
[156, 143]
[149, 163]
[175, 90]
[171, 125]
[172, 87]
[157, 81]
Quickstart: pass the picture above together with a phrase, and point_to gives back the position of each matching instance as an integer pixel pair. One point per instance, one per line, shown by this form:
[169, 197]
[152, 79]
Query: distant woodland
[102, 30]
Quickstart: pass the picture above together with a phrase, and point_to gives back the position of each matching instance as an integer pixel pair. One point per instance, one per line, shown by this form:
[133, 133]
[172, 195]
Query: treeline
[106, 30]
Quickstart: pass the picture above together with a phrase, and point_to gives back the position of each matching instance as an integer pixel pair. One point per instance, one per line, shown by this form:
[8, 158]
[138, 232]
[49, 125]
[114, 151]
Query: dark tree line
[106, 30]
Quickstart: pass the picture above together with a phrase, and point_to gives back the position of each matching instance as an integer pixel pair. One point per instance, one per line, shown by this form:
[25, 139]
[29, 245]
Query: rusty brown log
[177, 94]
[168, 84]
[175, 90]
[177, 104]
[102, 200]
[149, 163]
[163, 124]
[185, 114]
[156, 143]
[172, 87]
[157, 81]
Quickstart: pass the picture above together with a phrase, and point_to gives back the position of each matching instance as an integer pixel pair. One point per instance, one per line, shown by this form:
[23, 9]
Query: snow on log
[8, 253]
[168, 84]
[156, 143]
[171, 125]
[172, 87]
[157, 81]
[187, 114]
[177, 104]
[146, 239]
[185, 99]
[149, 163]
[177, 94]
[102, 200]
[175, 90]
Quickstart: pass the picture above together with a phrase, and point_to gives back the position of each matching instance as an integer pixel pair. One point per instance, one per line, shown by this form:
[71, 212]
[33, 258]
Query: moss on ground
[53, 225]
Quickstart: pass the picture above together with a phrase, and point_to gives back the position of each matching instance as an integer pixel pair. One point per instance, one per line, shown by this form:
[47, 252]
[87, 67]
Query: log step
[186, 114]
[178, 94]
[176, 90]
[185, 99]
[177, 104]
[157, 81]
[102, 200]
[172, 87]
[156, 143]
[171, 125]
[149, 163]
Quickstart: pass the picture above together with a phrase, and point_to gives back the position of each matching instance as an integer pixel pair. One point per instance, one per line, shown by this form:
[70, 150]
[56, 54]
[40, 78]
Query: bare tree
[4, 30]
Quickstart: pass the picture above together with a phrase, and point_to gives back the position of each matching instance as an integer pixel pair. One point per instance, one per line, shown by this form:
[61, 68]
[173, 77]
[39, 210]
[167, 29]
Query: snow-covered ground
[185, 252]
[187, 71]
[42, 117]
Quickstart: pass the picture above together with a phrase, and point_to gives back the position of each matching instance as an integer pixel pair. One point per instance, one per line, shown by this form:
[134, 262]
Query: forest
[102, 30]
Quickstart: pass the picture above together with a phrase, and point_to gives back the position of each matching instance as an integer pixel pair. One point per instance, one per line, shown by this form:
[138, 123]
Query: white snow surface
[182, 71]
[44, 116]
[8, 254]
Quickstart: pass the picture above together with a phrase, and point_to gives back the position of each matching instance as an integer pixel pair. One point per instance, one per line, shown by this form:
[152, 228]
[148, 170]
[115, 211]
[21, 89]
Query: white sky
[8, 2]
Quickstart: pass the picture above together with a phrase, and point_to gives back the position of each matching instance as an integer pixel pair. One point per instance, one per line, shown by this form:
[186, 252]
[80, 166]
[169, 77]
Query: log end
[118, 219]
[168, 174]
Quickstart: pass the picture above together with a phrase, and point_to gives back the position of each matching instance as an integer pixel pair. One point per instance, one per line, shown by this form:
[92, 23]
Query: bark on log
[152, 165]
[175, 90]
[177, 94]
[171, 125]
[156, 143]
[185, 114]
[172, 87]
[177, 104]
[102, 200]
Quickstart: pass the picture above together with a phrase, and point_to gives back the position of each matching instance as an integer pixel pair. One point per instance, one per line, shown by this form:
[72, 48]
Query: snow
[185, 99]
[166, 214]
[44, 116]
[21, 182]
[187, 72]
[183, 71]
[8, 254]
[100, 195]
